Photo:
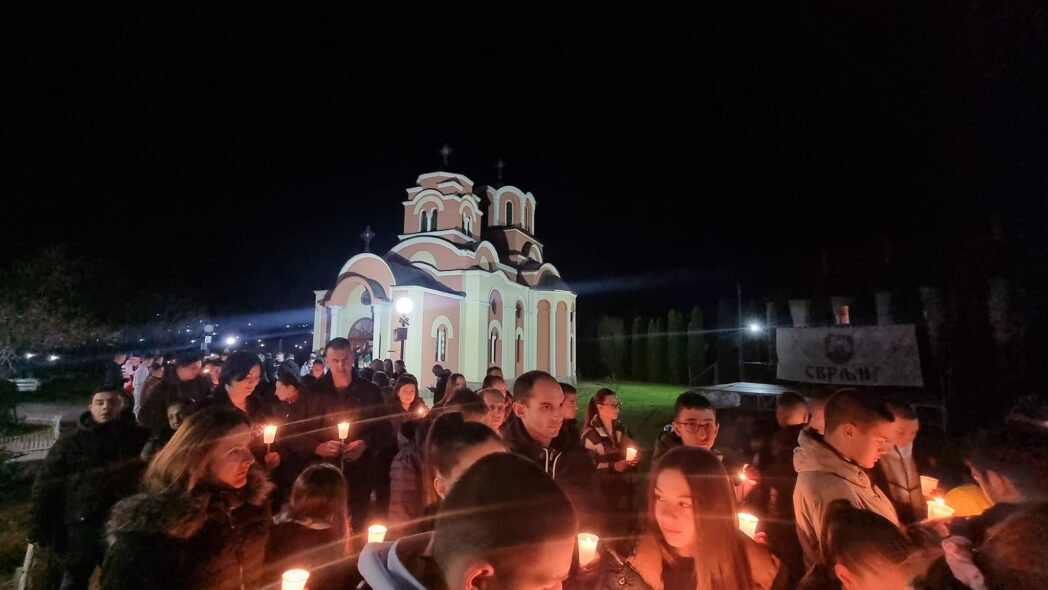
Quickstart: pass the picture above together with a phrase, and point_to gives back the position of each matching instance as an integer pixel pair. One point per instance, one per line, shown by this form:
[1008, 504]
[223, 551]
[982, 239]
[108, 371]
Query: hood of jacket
[381, 566]
[180, 514]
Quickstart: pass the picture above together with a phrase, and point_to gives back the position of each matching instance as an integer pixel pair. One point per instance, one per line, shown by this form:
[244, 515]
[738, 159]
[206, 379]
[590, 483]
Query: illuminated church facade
[468, 279]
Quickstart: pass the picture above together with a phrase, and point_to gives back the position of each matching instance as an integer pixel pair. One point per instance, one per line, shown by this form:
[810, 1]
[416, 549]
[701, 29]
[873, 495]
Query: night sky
[673, 149]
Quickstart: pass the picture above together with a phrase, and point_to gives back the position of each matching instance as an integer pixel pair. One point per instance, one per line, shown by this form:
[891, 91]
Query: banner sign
[850, 355]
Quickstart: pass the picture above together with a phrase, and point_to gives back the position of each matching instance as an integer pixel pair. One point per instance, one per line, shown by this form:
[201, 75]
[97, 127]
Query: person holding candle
[240, 387]
[404, 404]
[606, 439]
[896, 472]
[691, 537]
[859, 430]
[861, 551]
[202, 518]
[313, 532]
[477, 542]
[337, 397]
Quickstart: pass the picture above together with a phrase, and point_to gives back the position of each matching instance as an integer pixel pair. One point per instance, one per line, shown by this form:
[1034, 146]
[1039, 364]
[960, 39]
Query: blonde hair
[184, 460]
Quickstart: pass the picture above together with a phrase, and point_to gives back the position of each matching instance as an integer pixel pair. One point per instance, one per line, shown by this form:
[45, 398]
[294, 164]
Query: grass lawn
[647, 407]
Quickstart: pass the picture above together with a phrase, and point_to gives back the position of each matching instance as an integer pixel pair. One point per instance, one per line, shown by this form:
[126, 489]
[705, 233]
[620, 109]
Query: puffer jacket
[84, 474]
[208, 538]
[643, 571]
[407, 499]
[823, 476]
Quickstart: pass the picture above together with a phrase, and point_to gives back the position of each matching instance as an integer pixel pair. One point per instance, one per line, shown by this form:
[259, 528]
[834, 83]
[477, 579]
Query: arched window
[509, 213]
[433, 220]
[442, 345]
[524, 217]
[520, 347]
[492, 355]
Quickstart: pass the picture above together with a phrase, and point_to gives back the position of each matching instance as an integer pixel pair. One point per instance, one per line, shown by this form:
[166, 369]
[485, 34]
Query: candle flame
[940, 501]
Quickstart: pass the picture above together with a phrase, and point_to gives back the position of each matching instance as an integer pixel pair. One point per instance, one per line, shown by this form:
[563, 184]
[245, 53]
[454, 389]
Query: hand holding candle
[587, 547]
[631, 454]
[343, 430]
[294, 580]
[937, 508]
[748, 524]
[269, 433]
[376, 533]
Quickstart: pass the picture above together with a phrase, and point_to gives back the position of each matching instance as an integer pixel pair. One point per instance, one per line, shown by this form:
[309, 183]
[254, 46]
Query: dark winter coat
[407, 498]
[114, 376]
[84, 474]
[153, 414]
[567, 462]
[324, 406]
[176, 540]
[308, 546]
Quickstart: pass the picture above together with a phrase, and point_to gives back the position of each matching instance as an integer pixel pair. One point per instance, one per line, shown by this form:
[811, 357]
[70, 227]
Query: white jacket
[822, 477]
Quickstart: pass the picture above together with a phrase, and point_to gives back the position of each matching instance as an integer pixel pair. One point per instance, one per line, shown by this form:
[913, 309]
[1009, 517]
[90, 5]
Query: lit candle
[631, 454]
[928, 485]
[587, 547]
[748, 524]
[269, 433]
[422, 411]
[294, 580]
[937, 508]
[343, 430]
[376, 533]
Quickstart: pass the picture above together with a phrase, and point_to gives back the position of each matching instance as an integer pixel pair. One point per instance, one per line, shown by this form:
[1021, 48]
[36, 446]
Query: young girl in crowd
[404, 405]
[496, 404]
[607, 439]
[861, 551]
[176, 411]
[203, 516]
[313, 532]
[691, 539]
[286, 414]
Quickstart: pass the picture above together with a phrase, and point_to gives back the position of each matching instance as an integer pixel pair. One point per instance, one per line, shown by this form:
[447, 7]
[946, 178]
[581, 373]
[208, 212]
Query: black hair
[466, 401]
[568, 389]
[237, 366]
[499, 511]
[337, 344]
[447, 437]
[851, 406]
[491, 380]
[690, 400]
[289, 379]
[860, 540]
[790, 399]
[524, 386]
[1019, 454]
[184, 359]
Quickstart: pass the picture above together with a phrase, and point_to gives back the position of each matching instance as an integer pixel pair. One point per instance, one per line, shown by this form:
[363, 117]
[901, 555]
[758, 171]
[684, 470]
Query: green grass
[647, 407]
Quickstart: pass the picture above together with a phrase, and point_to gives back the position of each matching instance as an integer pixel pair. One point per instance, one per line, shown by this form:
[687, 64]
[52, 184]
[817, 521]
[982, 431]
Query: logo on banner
[840, 348]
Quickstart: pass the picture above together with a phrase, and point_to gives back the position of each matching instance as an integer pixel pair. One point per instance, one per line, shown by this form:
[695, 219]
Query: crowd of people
[226, 472]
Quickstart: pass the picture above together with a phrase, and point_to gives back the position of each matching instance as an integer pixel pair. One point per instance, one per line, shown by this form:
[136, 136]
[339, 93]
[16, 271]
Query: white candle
[422, 411]
[376, 533]
[928, 485]
[631, 454]
[937, 508]
[587, 547]
[269, 433]
[343, 430]
[294, 580]
[748, 524]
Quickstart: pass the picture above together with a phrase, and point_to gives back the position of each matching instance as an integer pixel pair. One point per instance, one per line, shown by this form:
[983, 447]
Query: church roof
[405, 273]
[551, 282]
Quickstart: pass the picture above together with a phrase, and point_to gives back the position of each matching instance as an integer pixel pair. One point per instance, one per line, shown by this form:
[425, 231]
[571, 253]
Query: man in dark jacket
[114, 375]
[339, 397]
[84, 474]
[537, 401]
[183, 383]
[442, 376]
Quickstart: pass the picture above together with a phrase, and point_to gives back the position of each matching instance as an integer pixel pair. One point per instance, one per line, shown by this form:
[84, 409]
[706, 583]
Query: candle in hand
[343, 430]
[631, 454]
[748, 524]
[269, 433]
[937, 508]
[928, 485]
[376, 533]
[294, 580]
[587, 547]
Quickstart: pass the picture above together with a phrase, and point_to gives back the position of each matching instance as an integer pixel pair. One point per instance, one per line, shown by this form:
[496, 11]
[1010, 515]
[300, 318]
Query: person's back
[858, 432]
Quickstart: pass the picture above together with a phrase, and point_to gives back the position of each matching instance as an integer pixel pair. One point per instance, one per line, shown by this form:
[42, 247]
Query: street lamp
[755, 328]
[404, 306]
[231, 340]
[53, 358]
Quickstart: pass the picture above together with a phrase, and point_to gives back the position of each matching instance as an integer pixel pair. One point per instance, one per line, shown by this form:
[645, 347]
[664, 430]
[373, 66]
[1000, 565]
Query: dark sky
[673, 148]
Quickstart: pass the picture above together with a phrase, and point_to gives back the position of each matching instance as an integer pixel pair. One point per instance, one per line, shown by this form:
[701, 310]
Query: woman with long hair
[313, 532]
[202, 517]
[403, 405]
[606, 439]
[691, 539]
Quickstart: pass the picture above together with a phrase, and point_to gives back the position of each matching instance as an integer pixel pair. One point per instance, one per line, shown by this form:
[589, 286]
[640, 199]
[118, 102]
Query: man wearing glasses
[694, 425]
